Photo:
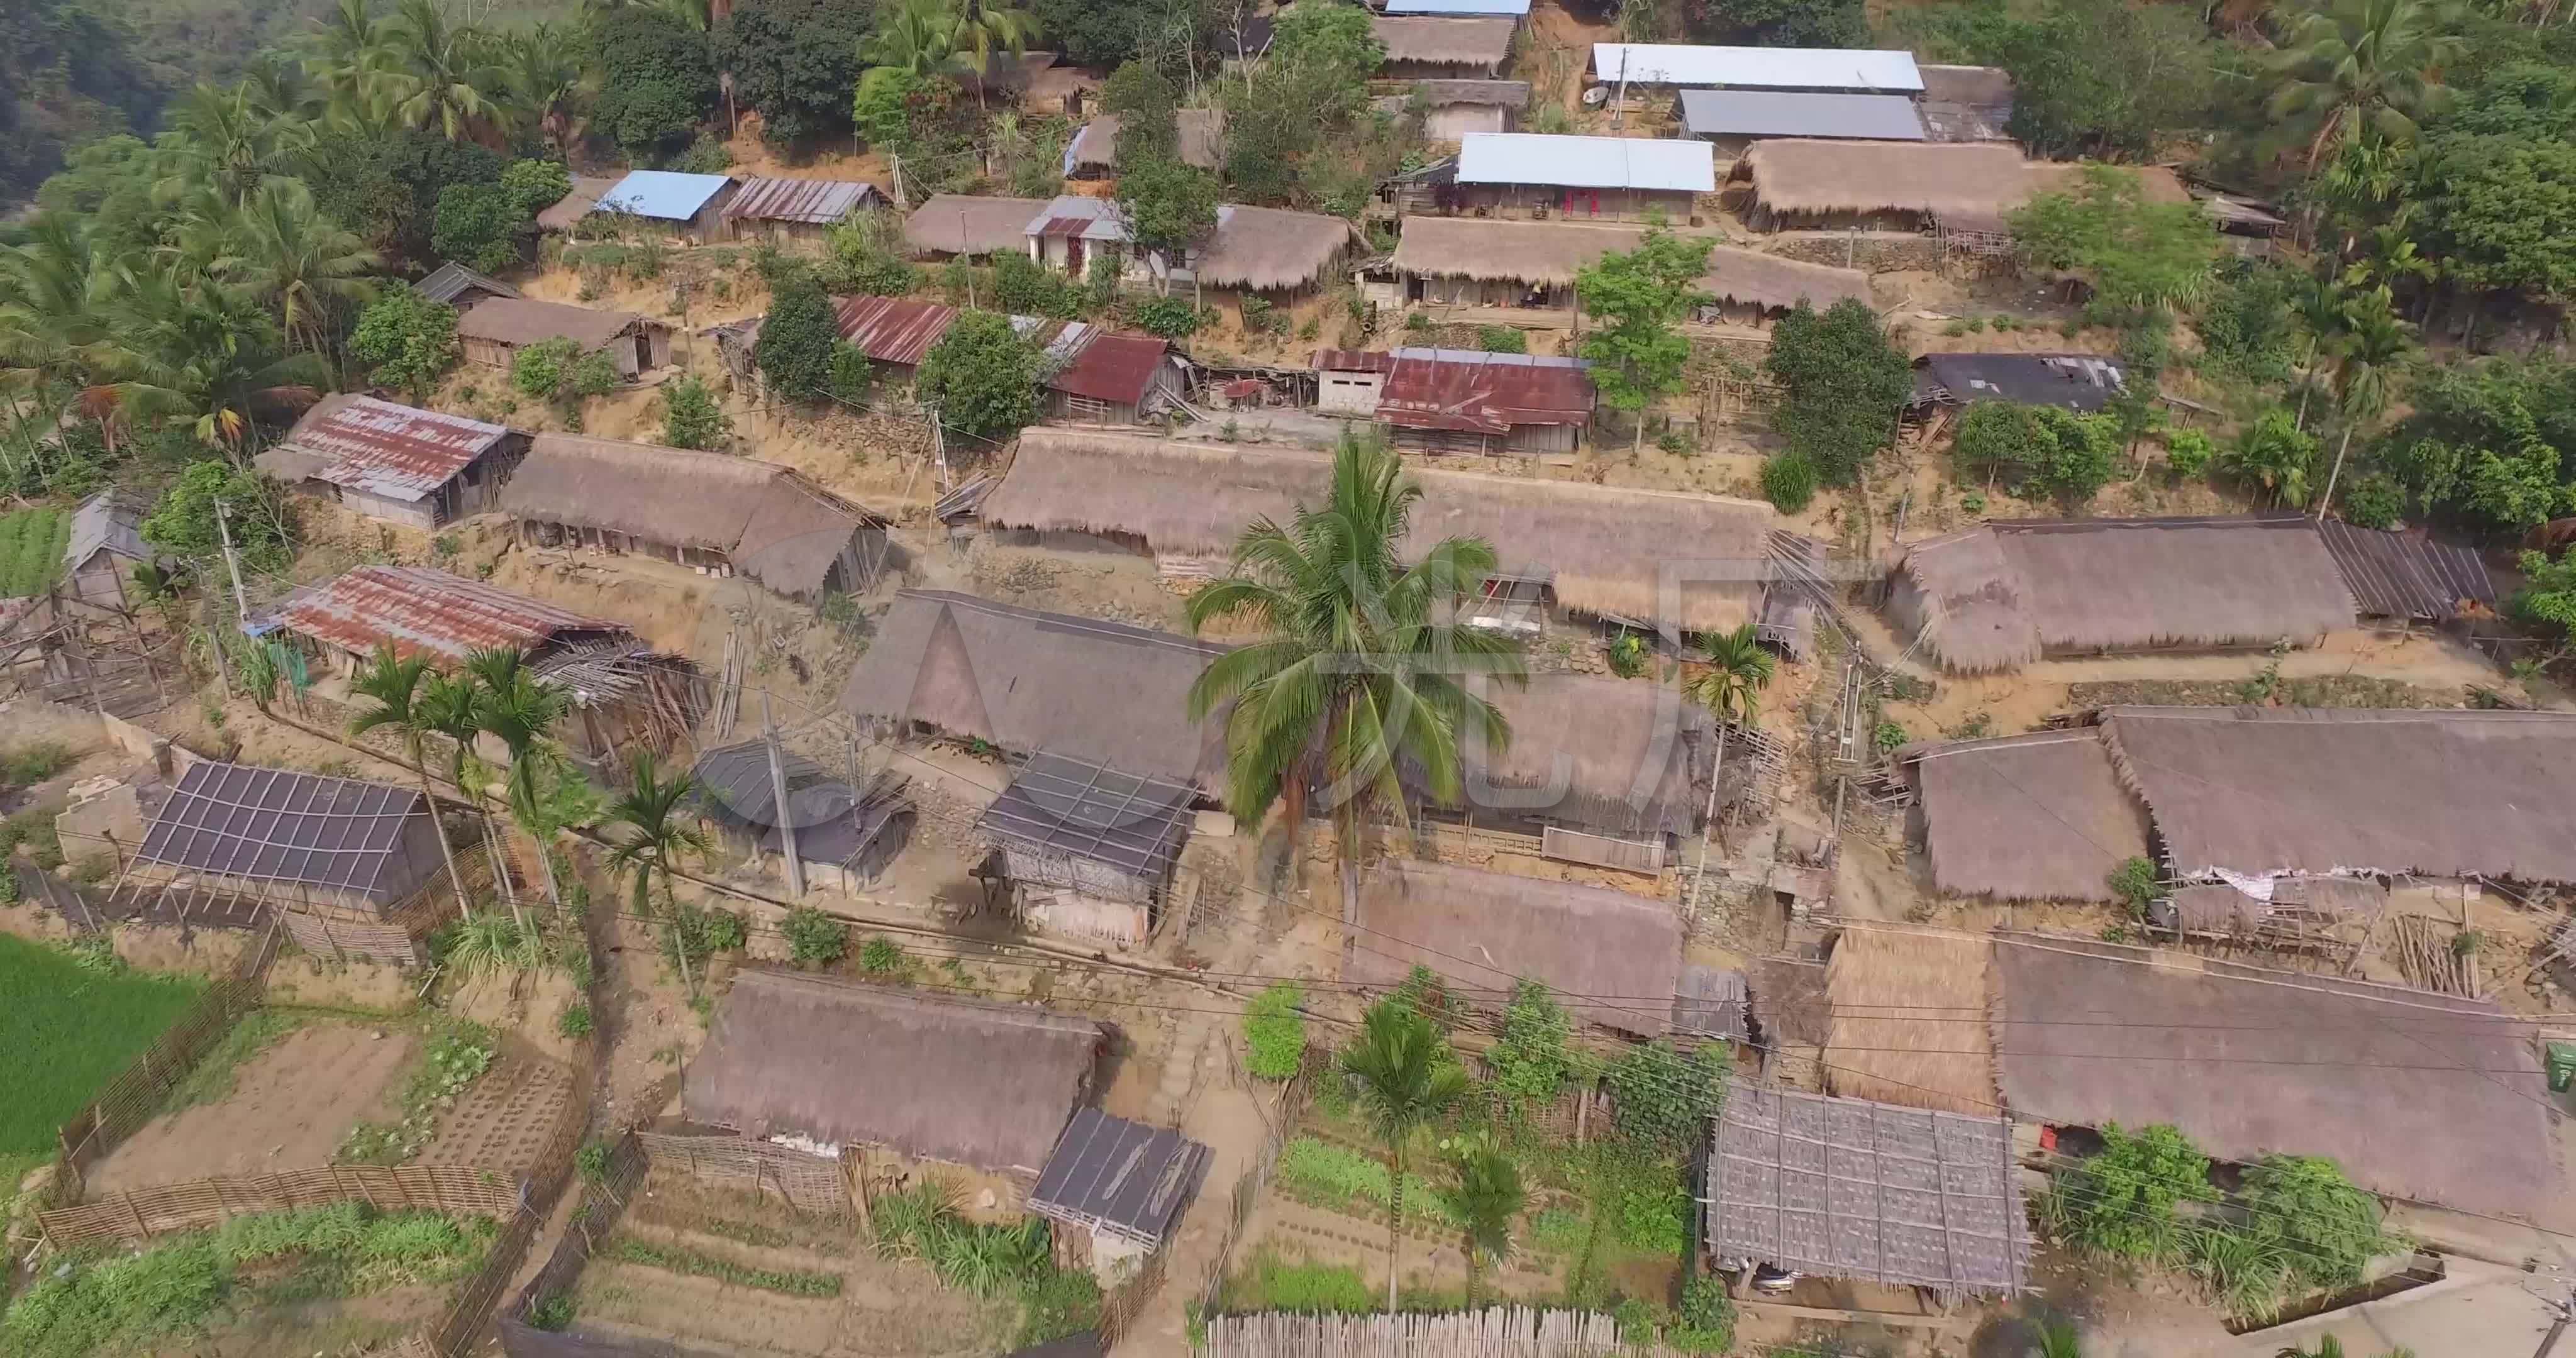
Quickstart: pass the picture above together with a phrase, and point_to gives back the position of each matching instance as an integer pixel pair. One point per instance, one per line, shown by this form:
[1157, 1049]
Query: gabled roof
[1269, 247]
[663, 195]
[276, 825]
[1474, 391]
[416, 609]
[1076, 217]
[1771, 68]
[1105, 365]
[1125, 1178]
[1441, 40]
[898, 330]
[1617, 955]
[525, 320]
[1799, 113]
[970, 224]
[575, 205]
[2037, 817]
[1674, 165]
[107, 522]
[451, 280]
[390, 451]
[813, 202]
[1110, 366]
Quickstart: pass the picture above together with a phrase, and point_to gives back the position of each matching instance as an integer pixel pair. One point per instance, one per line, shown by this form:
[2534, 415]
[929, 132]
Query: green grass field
[31, 551]
[66, 1030]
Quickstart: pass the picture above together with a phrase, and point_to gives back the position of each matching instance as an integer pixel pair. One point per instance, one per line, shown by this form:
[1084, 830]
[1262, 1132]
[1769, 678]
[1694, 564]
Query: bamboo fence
[199, 1203]
[1501, 1332]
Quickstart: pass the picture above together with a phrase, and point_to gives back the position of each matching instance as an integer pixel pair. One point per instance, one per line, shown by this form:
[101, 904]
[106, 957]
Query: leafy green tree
[1167, 207]
[282, 249]
[2142, 257]
[1362, 668]
[183, 522]
[656, 829]
[438, 72]
[794, 350]
[1531, 1058]
[2037, 450]
[796, 61]
[197, 352]
[547, 83]
[1845, 383]
[1310, 89]
[1402, 1077]
[2248, 321]
[1641, 297]
[981, 377]
[1147, 106]
[2548, 593]
[2125, 1200]
[2351, 67]
[2090, 77]
[690, 416]
[478, 225]
[407, 340]
[559, 370]
[882, 107]
[2492, 210]
[1024, 287]
[2488, 440]
[2328, 1229]
[391, 686]
[535, 185]
[657, 79]
[1488, 1195]
[1777, 23]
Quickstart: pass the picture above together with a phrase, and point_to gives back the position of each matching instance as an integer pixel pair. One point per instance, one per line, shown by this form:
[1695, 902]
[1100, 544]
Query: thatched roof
[1607, 549]
[587, 190]
[1482, 931]
[2435, 793]
[2001, 595]
[1549, 254]
[1789, 1001]
[1478, 93]
[1028, 681]
[1603, 755]
[774, 524]
[1445, 41]
[1883, 980]
[1202, 131]
[1778, 282]
[964, 224]
[2415, 1095]
[968, 1082]
[1803, 175]
[2040, 817]
[1264, 248]
[525, 320]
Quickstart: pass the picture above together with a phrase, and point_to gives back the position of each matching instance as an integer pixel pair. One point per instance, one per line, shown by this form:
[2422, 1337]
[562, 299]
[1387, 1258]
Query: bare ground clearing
[289, 1109]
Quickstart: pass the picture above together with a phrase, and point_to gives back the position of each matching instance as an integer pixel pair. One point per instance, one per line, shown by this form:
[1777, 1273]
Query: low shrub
[1275, 1032]
[1789, 480]
[815, 938]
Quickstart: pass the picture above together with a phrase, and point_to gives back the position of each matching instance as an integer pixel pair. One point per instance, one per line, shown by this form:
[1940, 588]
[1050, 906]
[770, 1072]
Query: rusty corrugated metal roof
[1353, 361]
[416, 609]
[892, 329]
[395, 451]
[1112, 367]
[817, 202]
[1483, 393]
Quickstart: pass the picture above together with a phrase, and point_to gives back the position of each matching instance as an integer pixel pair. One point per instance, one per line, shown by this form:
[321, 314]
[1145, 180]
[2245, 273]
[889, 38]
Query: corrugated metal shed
[416, 609]
[1121, 1177]
[1507, 8]
[1755, 68]
[663, 195]
[815, 202]
[394, 451]
[2080, 382]
[106, 522]
[893, 329]
[2401, 575]
[1800, 113]
[278, 826]
[1472, 391]
[1676, 166]
[1113, 367]
[451, 280]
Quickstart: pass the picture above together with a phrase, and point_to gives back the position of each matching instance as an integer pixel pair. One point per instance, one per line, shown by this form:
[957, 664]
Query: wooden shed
[396, 463]
[495, 329]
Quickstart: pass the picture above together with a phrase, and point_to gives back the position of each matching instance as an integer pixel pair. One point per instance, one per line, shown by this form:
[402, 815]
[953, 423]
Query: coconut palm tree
[654, 810]
[198, 350]
[392, 684]
[1402, 1077]
[2376, 347]
[1362, 662]
[1489, 1194]
[2319, 304]
[918, 38]
[448, 704]
[439, 71]
[546, 81]
[984, 27]
[517, 709]
[53, 287]
[300, 261]
[2352, 65]
[1738, 670]
[229, 140]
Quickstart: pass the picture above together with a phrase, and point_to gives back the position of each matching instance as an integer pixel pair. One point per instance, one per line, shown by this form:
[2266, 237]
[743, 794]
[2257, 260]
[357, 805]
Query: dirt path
[289, 1109]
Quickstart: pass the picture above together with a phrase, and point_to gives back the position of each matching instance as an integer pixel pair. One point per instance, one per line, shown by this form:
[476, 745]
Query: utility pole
[2560, 1311]
[778, 789]
[232, 562]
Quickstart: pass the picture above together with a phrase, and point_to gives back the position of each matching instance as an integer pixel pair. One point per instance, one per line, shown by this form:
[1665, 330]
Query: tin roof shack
[1530, 174]
[1731, 120]
[833, 1065]
[2008, 592]
[844, 832]
[1476, 261]
[1093, 152]
[1091, 375]
[1089, 850]
[964, 668]
[719, 513]
[1482, 932]
[350, 865]
[495, 329]
[1123, 1184]
[460, 287]
[1465, 400]
[2421, 1096]
[102, 549]
[625, 696]
[1871, 1192]
[690, 205]
[969, 226]
[781, 210]
[396, 463]
[2083, 383]
[1431, 47]
[1602, 551]
[1682, 65]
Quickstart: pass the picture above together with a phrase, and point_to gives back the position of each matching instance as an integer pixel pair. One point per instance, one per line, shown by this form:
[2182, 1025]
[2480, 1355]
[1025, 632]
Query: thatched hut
[1093, 152]
[845, 832]
[711, 511]
[566, 212]
[1271, 252]
[1614, 956]
[2038, 817]
[1478, 261]
[1801, 183]
[1604, 771]
[834, 1064]
[395, 463]
[495, 329]
[2005, 594]
[1429, 47]
[1883, 980]
[1455, 109]
[1601, 550]
[2416, 1095]
[969, 226]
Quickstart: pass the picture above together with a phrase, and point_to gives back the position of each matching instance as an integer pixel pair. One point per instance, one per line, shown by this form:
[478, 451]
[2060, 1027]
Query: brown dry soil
[350, 1325]
[289, 1108]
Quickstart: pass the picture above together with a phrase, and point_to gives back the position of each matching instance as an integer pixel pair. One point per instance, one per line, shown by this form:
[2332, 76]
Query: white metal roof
[1755, 68]
[1800, 113]
[1513, 8]
[1587, 162]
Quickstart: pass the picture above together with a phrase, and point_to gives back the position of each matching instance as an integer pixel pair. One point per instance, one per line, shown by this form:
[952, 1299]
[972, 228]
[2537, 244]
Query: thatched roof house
[699, 508]
[968, 1082]
[1269, 249]
[1544, 257]
[1028, 681]
[1905, 186]
[2416, 1095]
[1601, 755]
[2040, 817]
[1094, 150]
[1483, 931]
[969, 225]
[1437, 45]
[1604, 549]
[2433, 793]
[2002, 595]
[493, 331]
[1883, 980]
[567, 211]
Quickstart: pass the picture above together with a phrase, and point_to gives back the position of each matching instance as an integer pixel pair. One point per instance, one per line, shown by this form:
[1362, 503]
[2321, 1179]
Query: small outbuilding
[1452, 109]
[495, 329]
[970, 226]
[1089, 850]
[102, 549]
[566, 212]
[1123, 1183]
[1527, 174]
[1464, 400]
[1615, 958]
[690, 205]
[460, 287]
[781, 210]
[394, 463]
[1442, 46]
[845, 831]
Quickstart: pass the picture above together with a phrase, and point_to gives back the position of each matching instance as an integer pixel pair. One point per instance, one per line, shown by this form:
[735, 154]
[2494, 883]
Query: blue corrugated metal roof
[1587, 162]
[1512, 8]
[664, 195]
[1800, 113]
